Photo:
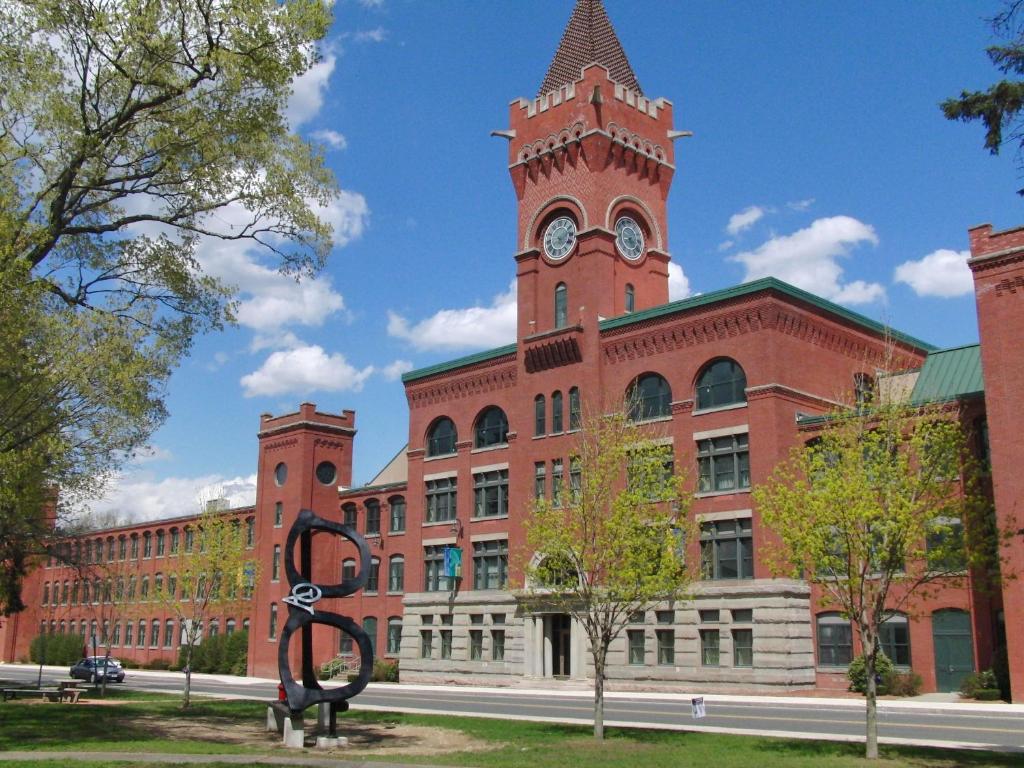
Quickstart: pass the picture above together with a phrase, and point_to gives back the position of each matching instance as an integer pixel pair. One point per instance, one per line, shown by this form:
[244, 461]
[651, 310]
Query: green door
[954, 650]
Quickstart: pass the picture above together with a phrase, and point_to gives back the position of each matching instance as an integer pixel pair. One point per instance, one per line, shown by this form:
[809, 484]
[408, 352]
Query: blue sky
[819, 155]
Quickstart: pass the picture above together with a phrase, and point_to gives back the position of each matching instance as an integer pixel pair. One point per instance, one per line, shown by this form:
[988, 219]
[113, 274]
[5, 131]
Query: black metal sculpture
[302, 615]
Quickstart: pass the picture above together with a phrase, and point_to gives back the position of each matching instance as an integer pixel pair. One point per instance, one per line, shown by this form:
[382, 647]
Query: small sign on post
[697, 705]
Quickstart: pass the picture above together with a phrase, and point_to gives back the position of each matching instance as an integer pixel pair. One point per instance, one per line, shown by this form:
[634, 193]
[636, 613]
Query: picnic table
[69, 695]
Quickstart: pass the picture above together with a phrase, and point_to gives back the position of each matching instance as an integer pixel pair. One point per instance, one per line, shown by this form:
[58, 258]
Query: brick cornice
[989, 261]
[448, 389]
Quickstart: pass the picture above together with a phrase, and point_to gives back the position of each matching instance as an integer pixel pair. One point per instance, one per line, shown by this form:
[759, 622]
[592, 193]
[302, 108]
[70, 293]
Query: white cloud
[331, 138]
[725, 245]
[942, 273]
[745, 219]
[348, 214]
[371, 3]
[308, 92]
[377, 35]
[283, 301]
[678, 282]
[800, 205]
[303, 370]
[474, 327]
[274, 340]
[808, 258]
[394, 371]
[136, 497]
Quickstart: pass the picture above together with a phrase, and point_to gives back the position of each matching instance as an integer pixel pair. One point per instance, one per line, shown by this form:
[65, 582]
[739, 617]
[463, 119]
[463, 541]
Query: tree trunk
[103, 685]
[599, 696]
[188, 678]
[871, 741]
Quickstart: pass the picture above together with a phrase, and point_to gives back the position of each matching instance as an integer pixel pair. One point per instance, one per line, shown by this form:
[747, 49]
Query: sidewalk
[930, 701]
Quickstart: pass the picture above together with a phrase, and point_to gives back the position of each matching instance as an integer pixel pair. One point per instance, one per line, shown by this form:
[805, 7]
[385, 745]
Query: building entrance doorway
[559, 635]
[954, 652]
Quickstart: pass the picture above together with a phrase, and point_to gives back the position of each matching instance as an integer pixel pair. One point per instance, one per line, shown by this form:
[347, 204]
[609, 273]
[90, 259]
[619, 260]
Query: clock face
[559, 238]
[629, 238]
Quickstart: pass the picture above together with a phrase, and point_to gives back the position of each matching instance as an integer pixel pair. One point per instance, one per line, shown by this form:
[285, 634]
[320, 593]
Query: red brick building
[727, 378]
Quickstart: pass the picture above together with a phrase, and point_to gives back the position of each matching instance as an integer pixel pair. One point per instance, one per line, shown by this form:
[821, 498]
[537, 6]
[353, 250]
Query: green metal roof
[460, 362]
[765, 283]
[949, 374]
[694, 302]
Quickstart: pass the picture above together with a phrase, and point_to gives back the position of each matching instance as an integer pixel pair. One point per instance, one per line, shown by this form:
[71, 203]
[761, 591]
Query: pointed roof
[589, 38]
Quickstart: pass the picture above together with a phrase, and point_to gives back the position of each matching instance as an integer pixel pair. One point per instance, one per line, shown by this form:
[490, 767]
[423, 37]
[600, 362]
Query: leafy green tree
[129, 130]
[875, 511]
[213, 578]
[999, 107]
[609, 544]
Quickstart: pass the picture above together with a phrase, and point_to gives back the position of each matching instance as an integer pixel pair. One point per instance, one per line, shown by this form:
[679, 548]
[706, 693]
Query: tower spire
[588, 39]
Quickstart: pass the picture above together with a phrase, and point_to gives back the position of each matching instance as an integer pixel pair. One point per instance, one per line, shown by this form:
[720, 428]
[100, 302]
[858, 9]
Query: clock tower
[591, 161]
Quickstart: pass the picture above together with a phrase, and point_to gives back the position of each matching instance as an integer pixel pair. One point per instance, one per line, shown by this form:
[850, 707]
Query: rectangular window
[168, 634]
[575, 480]
[441, 498]
[175, 540]
[540, 480]
[373, 577]
[189, 540]
[142, 634]
[394, 637]
[476, 637]
[636, 646]
[710, 616]
[556, 482]
[272, 631]
[446, 637]
[345, 644]
[666, 646]
[490, 490]
[574, 408]
[278, 514]
[122, 548]
[397, 514]
[743, 647]
[709, 647]
[275, 566]
[147, 546]
[894, 639]
[539, 419]
[727, 549]
[742, 616]
[250, 532]
[556, 412]
[135, 548]
[128, 629]
[434, 577]
[349, 514]
[835, 641]
[498, 644]
[490, 564]
[160, 543]
[426, 643]
[396, 574]
[372, 518]
[723, 463]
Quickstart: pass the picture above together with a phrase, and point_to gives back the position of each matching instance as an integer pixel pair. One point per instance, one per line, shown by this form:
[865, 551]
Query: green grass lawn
[134, 726]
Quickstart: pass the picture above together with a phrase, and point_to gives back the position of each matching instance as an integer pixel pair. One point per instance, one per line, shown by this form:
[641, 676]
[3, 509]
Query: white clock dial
[560, 238]
[629, 238]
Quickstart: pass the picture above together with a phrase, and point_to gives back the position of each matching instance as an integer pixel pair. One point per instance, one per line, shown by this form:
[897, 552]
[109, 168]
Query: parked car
[90, 669]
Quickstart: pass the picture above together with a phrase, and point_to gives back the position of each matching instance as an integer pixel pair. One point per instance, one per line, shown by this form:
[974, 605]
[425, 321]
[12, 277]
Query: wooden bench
[67, 696]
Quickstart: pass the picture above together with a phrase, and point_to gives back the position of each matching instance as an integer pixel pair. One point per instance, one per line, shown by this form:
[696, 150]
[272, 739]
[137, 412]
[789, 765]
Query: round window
[629, 238]
[559, 238]
[280, 473]
[326, 473]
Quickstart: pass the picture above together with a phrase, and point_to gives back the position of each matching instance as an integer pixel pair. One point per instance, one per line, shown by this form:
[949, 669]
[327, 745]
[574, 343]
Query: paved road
[941, 724]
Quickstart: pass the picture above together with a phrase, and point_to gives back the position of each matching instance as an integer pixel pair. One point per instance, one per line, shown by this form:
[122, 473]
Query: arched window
[135, 546]
[574, 408]
[894, 639]
[396, 574]
[394, 635]
[64, 589]
[630, 297]
[85, 592]
[189, 539]
[46, 593]
[229, 627]
[175, 540]
[158, 584]
[169, 633]
[373, 578]
[649, 397]
[722, 382]
[835, 640]
[441, 437]
[348, 570]
[540, 419]
[561, 306]
[372, 517]
[370, 628]
[491, 428]
[144, 589]
[250, 532]
[349, 514]
[160, 543]
[272, 629]
[556, 412]
[122, 548]
[397, 505]
[110, 549]
[147, 544]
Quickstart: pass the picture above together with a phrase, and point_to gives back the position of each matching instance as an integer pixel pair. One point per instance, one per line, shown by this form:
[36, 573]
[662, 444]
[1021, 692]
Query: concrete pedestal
[294, 733]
